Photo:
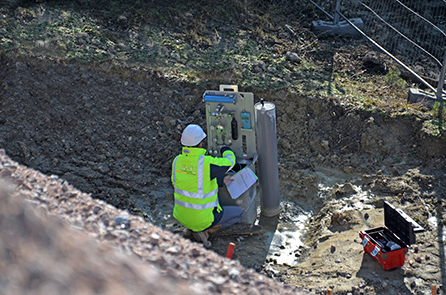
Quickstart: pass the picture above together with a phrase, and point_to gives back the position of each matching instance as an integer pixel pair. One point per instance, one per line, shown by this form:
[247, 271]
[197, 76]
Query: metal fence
[410, 31]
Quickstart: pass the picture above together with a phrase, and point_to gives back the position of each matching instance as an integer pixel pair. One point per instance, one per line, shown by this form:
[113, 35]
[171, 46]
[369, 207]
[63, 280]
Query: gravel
[56, 239]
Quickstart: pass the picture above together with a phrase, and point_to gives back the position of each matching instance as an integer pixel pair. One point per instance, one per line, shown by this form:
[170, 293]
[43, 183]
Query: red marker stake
[230, 250]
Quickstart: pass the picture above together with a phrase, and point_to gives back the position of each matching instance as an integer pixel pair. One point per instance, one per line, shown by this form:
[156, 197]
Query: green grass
[393, 78]
[434, 127]
[191, 41]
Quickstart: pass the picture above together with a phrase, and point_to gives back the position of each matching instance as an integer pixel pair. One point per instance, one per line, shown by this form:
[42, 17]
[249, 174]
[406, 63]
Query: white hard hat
[192, 135]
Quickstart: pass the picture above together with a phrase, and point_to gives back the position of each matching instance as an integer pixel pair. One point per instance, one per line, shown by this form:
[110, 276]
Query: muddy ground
[57, 239]
[114, 137]
[112, 132]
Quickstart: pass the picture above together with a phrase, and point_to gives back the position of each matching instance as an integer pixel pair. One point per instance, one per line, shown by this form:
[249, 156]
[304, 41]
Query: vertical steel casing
[265, 117]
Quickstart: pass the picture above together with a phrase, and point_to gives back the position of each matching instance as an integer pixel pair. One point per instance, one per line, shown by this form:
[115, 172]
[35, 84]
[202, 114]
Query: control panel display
[229, 121]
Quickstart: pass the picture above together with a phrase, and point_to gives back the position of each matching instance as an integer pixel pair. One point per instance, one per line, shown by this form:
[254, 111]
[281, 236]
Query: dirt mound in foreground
[73, 244]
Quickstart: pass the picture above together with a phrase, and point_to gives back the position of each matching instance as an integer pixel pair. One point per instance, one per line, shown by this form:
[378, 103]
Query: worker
[196, 177]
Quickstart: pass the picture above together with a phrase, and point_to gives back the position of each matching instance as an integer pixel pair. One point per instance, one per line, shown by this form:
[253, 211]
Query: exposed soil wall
[114, 134]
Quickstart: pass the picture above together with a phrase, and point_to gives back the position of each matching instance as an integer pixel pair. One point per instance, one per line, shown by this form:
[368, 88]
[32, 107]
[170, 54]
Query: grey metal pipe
[441, 79]
[337, 10]
[265, 115]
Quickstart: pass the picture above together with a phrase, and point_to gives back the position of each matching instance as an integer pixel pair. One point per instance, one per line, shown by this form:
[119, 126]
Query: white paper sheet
[243, 180]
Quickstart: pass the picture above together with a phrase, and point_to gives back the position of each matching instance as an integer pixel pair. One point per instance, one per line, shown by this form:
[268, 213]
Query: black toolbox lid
[401, 224]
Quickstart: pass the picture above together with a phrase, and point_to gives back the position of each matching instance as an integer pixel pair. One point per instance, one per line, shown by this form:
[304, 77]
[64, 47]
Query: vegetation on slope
[262, 46]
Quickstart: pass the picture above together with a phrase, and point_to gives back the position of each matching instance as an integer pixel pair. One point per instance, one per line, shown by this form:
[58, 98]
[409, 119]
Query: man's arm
[219, 171]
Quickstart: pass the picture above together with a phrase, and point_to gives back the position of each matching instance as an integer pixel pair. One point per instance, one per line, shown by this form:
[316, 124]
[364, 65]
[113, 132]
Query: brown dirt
[74, 244]
[113, 134]
[115, 137]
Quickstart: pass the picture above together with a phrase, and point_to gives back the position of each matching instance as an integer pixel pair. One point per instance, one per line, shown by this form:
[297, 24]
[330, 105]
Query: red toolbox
[388, 244]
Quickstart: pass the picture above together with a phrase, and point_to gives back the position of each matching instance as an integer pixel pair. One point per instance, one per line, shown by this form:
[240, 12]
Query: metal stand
[336, 27]
[268, 167]
[440, 90]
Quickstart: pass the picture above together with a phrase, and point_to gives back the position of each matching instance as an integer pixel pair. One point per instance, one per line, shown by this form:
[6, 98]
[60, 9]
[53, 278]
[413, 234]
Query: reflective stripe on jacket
[196, 194]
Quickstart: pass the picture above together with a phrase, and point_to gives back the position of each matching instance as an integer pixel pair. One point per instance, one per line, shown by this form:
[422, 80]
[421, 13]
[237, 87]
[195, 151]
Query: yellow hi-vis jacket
[196, 194]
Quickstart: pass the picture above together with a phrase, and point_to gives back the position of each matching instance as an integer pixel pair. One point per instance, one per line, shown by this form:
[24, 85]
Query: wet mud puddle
[284, 239]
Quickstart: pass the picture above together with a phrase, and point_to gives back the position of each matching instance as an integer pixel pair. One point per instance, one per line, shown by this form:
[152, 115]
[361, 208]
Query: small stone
[43, 209]
[366, 216]
[218, 281]
[332, 248]
[355, 290]
[338, 260]
[427, 257]
[325, 144]
[384, 285]
[413, 284]
[195, 252]
[416, 249]
[123, 222]
[110, 236]
[418, 259]
[172, 250]
[154, 239]
[96, 209]
[234, 273]
[223, 272]
[291, 56]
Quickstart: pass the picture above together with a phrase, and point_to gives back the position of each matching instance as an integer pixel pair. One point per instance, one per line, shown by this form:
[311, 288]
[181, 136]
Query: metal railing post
[441, 79]
[439, 93]
[337, 10]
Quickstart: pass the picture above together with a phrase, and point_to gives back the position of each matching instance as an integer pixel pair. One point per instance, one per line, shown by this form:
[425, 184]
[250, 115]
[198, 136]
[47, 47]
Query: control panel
[230, 122]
